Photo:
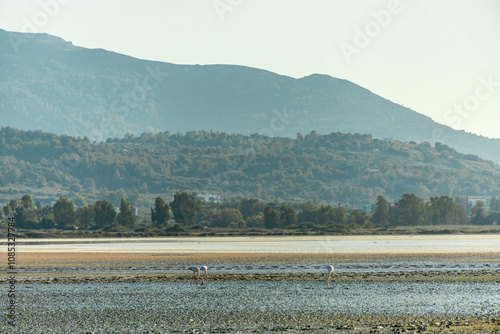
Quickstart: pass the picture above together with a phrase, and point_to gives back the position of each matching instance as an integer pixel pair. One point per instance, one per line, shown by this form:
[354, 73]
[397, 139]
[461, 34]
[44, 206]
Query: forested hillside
[50, 84]
[352, 169]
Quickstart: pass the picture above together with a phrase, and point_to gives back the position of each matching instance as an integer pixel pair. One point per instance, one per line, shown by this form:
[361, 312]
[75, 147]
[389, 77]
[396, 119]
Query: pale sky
[440, 58]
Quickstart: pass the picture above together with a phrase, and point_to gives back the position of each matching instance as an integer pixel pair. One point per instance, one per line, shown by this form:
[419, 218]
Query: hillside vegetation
[352, 169]
[49, 84]
[185, 215]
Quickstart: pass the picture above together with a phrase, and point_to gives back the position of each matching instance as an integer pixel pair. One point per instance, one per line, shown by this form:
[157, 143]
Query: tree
[231, 217]
[25, 218]
[271, 217]
[185, 207]
[381, 215]
[27, 202]
[104, 213]
[444, 211]
[478, 213]
[308, 213]
[325, 215]
[46, 217]
[250, 207]
[12, 205]
[357, 218]
[495, 203]
[64, 212]
[288, 217]
[6, 210]
[209, 214]
[160, 214]
[410, 211]
[339, 216]
[84, 215]
[126, 215]
[255, 221]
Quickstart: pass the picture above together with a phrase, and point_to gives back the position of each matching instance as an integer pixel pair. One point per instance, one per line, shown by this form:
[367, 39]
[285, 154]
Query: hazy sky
[440, 58]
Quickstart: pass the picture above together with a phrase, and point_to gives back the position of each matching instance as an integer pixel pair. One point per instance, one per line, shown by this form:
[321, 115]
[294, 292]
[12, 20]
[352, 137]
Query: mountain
[346, 168]
[49, 84]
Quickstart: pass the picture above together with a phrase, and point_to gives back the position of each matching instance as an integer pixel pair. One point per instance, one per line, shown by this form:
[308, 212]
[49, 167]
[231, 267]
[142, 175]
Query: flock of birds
[197, 273]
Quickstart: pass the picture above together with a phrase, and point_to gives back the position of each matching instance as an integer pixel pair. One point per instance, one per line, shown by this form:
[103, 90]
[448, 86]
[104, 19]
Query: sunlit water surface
[356, 298]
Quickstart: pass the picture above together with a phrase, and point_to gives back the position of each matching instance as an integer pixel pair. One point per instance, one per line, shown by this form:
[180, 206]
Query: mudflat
[297, 249]
[57, 263]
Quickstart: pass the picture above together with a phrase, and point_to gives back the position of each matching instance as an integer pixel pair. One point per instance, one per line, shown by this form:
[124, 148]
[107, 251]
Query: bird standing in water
[204, 268]
[330, 274]
[196, 273]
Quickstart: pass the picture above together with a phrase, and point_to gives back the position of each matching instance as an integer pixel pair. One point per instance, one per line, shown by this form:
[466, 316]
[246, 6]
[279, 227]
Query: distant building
[472, 200]
[208, 197]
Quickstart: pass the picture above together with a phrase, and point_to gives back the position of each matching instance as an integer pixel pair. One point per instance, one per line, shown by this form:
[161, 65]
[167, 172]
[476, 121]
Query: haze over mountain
[49, 84]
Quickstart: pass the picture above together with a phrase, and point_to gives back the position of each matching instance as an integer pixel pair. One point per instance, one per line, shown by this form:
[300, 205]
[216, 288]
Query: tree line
[185, 212]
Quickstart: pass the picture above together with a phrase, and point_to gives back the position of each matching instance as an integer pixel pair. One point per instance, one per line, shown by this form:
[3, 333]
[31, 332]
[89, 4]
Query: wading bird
[204, 268]
[196, 273]
[330, 274]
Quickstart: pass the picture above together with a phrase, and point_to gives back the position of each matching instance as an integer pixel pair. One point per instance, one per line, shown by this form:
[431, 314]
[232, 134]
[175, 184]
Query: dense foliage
[349, 168]
[191, 214]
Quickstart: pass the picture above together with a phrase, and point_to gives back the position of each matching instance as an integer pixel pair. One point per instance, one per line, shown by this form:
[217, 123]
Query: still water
[377, 267]
[88, 305]
[355, 298]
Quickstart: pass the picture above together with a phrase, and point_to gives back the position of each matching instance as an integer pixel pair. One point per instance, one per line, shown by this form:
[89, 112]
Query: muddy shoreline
[416, 277]
[67, 271]
[42, 312]
[223, 321]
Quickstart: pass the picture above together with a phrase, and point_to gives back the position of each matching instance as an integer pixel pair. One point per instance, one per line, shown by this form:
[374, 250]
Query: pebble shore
[225, 321]
[48, 312]
[156, 320]
[436, 277]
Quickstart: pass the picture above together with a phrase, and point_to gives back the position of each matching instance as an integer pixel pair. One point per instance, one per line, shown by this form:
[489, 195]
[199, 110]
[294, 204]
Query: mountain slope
[49, 84]
[345, 168]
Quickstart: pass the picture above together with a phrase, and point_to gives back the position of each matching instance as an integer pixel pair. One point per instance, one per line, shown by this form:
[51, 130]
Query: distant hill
[49, 84]
[346, 168]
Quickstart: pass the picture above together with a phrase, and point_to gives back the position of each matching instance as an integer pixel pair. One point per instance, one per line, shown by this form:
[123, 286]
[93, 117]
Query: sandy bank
[69, 259]
[416, 277]
[334, 245]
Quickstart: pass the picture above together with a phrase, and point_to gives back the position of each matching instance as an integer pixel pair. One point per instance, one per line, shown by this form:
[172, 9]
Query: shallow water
[341, 268]
[474, 250]
[376, 267]
[350, 298]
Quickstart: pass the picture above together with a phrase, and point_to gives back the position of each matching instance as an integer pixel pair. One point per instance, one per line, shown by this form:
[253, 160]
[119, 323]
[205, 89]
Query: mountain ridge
[61, 88]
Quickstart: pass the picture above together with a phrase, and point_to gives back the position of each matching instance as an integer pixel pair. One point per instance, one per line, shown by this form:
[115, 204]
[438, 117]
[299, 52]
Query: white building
[208, 197]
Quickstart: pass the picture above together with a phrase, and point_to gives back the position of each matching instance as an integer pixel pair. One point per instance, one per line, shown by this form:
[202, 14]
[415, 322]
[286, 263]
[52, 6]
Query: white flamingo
[330, 274]
[204, 269]
[196, 273]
